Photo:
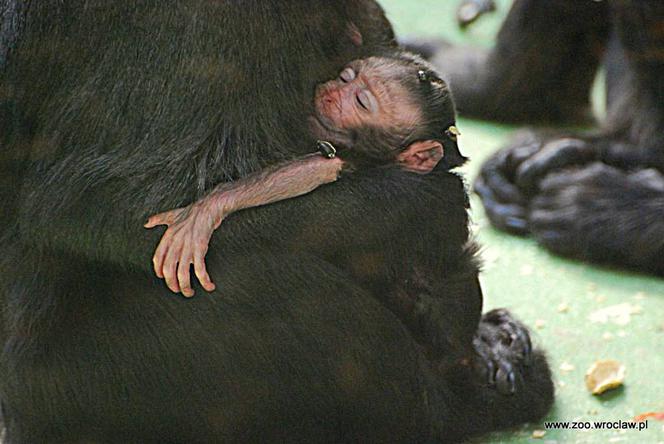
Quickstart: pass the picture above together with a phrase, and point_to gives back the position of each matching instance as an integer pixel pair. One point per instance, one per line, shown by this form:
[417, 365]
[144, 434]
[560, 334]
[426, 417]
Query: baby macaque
[380, 110]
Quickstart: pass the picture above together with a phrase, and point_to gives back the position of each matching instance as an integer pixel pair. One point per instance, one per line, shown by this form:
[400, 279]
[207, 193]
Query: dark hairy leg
[287, 340]
[602, 214]
[540, 69]
[506, 382]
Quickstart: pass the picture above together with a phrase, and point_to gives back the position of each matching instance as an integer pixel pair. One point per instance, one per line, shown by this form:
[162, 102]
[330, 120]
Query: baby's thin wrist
[333, 169]
[220, 203]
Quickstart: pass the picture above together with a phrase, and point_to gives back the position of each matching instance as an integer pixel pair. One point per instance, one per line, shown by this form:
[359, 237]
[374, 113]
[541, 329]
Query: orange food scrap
[659, 416]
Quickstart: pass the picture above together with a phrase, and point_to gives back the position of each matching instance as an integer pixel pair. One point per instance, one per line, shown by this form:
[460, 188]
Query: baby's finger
[201, 271]
[170, 271]
[165, 218]
[153, 221]
[160, 254]
[184, 279]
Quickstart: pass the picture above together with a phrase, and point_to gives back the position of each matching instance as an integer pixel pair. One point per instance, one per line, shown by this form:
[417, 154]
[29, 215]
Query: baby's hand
[185, 242]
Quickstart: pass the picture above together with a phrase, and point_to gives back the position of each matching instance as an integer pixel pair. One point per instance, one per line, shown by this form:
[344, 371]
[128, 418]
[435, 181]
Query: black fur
[605, 201]
[12, 16]
[533, 71]
[598, 196]
[342, 316]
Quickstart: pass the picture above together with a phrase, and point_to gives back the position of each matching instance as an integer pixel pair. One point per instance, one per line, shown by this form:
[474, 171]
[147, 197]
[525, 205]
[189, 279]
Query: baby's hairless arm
[283, 181]
[186, 240]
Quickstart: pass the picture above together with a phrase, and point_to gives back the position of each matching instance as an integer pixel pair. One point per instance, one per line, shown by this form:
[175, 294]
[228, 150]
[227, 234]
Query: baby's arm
[190, 228]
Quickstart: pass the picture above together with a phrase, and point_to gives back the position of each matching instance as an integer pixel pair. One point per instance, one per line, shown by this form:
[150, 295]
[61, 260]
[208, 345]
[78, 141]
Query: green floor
[520, 275]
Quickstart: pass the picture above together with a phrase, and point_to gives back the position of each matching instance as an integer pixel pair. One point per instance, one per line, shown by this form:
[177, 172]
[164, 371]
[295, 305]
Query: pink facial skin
[364, 95]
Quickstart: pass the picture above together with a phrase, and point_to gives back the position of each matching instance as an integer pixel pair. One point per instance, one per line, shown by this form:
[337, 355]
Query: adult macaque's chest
[303, 44]
[309, 42]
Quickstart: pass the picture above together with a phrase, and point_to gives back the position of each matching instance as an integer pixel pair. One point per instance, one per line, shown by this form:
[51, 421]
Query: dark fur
[123, 109]
[595, 196]
[533, 72]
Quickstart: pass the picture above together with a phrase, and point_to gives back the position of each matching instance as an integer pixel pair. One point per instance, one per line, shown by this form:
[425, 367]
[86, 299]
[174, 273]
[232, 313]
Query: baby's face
[367, 93]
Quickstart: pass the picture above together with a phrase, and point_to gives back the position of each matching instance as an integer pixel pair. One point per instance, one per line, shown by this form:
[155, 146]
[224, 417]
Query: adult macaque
[379, 110]
[118, 110]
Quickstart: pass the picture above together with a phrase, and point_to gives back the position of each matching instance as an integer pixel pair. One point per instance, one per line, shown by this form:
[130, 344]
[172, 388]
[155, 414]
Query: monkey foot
[470, 10]
[503, 348]
[596, 198]
[512, 175]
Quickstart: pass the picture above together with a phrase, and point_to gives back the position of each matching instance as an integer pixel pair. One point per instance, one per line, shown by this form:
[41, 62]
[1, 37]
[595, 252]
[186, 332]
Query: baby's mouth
[327, 101]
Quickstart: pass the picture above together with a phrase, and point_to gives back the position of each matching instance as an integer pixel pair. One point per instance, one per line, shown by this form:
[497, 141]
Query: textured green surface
[532, 283]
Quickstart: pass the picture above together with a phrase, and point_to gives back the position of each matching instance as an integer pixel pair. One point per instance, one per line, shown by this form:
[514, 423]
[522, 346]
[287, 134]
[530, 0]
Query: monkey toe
[503, 347]
[471, 10]
[511, 218]
[505, 202]
[511, 332]
[555, 155]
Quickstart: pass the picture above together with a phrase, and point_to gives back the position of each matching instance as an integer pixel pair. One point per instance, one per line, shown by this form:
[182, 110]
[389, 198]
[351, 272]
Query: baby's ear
[422, 156]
